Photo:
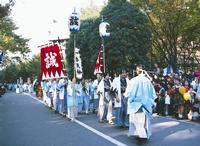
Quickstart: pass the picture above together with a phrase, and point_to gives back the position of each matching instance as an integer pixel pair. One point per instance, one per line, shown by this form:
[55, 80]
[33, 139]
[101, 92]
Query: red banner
[51, 64]
[99, 63]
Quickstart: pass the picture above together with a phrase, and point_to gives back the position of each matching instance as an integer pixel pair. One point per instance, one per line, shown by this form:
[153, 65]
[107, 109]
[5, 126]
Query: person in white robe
[50, 93]
[30, 88]
[105, 100]
[55, 95]
[96, 95]
[141, 95]
[44, 91]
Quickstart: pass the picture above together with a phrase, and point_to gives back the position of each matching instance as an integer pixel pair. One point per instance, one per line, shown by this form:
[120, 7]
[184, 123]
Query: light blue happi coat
[140, 93]
[61, 86]
[70, 94]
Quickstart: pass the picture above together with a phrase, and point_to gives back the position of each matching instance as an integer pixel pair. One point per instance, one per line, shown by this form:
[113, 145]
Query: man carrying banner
[71, 108]
[141, 96]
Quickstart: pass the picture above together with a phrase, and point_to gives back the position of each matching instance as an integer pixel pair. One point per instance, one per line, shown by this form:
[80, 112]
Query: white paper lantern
[103, 29]
[74, 22]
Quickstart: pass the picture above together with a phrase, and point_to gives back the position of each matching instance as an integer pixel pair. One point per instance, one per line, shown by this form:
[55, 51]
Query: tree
[10, 41]
[128, 44]
[27, 69]
[175, 24]
[130, 37]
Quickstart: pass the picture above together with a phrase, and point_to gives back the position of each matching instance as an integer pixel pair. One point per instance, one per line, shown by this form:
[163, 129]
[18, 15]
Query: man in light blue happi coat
[141, 96]
[62, 93]
[79, 98]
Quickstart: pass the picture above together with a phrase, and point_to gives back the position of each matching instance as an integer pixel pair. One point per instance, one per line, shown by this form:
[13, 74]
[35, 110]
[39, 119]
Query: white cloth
[167, 99]
[100, 89]
[141, 96]
[117, 86]
[139, 125]
[17, 90]
[95, 85]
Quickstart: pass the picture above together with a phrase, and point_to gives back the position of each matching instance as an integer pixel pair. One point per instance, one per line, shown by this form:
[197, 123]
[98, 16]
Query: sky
[34, 18]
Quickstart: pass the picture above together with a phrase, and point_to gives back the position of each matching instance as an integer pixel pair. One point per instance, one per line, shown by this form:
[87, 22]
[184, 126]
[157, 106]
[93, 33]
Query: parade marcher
[50, 93]
[79, 97]
[141, 96]
[96, 95]
[108, 99]
[120, 102]
[44, 91]
[71, 104]
[105, 101]
[62, 84]
[85, 95]
[55, 95]
[30, 88]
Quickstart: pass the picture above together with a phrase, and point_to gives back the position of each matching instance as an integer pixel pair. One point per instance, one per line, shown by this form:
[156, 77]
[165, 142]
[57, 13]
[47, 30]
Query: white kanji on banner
[51, 60]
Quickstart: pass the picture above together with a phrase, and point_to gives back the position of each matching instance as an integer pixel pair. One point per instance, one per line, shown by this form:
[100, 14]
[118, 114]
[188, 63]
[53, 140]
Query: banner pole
[104, 59]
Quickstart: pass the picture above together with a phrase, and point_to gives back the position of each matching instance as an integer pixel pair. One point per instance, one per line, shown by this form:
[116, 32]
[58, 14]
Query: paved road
[26, 122]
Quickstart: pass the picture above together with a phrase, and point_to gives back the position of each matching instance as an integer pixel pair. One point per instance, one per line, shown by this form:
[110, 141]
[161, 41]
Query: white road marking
[112, 140]
[101, 134]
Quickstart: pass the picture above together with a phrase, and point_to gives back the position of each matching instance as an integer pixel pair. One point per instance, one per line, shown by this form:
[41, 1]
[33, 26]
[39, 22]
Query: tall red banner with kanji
[51, 62]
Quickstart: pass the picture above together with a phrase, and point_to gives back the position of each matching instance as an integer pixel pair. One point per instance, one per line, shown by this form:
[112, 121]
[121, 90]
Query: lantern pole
[103, 33]
[74, 55]
[74, 82]
[104, 59]
[102, 43]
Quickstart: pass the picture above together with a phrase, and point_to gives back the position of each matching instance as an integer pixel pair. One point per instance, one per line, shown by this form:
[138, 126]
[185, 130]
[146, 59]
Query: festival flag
[99, 65]
[1, 57]
[51, 64]
[78, 64]
[167, 70]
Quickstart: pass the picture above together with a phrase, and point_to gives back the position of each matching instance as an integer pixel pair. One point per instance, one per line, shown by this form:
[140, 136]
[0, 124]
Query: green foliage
[4, 10]
[128, 44]
[30, 68]
[130, 37]
[175, 24]
[10, 41]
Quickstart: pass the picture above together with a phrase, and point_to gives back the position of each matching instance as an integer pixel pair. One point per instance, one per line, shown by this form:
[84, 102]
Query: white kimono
[117, 86]
[103, 107]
